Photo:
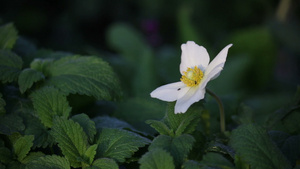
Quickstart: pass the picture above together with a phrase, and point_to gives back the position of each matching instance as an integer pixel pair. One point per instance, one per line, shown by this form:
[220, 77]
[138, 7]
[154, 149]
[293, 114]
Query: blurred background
[141, 40]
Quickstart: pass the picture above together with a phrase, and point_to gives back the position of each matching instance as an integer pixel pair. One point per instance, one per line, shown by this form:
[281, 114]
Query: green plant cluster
[40, 128]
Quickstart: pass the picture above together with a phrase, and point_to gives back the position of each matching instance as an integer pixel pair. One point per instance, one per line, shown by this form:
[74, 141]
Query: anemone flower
[196, 73]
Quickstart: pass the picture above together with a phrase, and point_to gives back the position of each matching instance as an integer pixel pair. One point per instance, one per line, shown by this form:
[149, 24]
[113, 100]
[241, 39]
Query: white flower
[196, 73]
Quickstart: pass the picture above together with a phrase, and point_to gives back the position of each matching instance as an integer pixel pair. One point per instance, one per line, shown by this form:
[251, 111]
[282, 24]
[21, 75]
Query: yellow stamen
[192, 76]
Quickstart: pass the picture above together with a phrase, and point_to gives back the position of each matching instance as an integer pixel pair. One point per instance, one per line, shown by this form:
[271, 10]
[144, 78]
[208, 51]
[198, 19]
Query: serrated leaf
[253, 145]
[160, 127]
[10, 66]
[8, 36]
[42, 137]
[105, 163]
[84, 75]
[48, 103]
[118, 144]
[27, 77]
[216, 160]
[11, 123]
[49, 162]
[90, 153]
[87, 125]
[2, 105]
[22, 146]
[71, 139]
[179, 146]
[42, 65]
[183, 123]
[32, 156]
[157, 159]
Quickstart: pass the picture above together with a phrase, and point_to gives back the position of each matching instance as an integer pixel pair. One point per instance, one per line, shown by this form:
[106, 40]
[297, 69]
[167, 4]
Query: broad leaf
[110, 122]
[87, 124]
[118, 144]
[157, 159]
[28, 77]
[253, 145]
[160, 127]
[84, 75]
[179, 146]
[22, 146]
[48, 103]
[32, 156]
[49, 162]
[71, 139]
[191, 165]
[2, 105]
[104, 163]
[5, 155]
[10, 66]
[183, 123]
[11, 123]
[8, 36]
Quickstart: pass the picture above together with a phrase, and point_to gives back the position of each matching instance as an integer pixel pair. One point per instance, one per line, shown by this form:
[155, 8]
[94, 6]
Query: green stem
[221, 108]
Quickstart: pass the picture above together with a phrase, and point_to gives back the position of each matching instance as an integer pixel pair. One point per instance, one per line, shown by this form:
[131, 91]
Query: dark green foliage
[156, 159]
[28, 77]
[8, 36]
[87, 125]
[49, 162]
[10, 66]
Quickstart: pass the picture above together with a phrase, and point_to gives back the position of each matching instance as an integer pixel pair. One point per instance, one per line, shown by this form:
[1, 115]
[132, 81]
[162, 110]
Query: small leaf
[10, 66]
[183, 123]
[71, 139]
[87, 125]
[253, 145]
[90, 153]
[157, 159]
[105, 163]
[118, 144]
[11, 123]
[216, 160]
[2, 105]
[22, 146]
[28, 77]
[49, 162]
[89, 76]
[48, 103]
[32, 156]
[179, 146]
[8, 36]
[161, 127]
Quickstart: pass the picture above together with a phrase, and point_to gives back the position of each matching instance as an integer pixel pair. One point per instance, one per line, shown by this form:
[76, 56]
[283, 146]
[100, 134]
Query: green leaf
[10, 66]
[28, 77]
[48, 103]
[42, 137]
[157, 159]
[71, 139]
[216, 160]
[118, 144]
[22, 146]
[161, 127]
[191, 165]
[87, 125]
[42, 65]
[5, 155]
[253, 145]
[111, 122]
[90, 153]
[179, 146]
[32, 156]
[2, 105]
[84, 75]
[49, 162]
[185, 122]
[8, 36]
[105, 163]
[11, 123]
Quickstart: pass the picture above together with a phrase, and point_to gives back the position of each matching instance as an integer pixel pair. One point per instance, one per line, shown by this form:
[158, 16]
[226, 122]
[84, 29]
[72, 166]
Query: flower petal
[193, 95]
[218, 62]
[193, 55]
[170, 92]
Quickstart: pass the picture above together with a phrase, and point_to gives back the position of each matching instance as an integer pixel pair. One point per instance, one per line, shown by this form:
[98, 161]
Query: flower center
[192, 76]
